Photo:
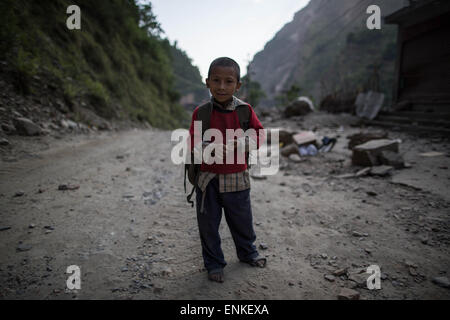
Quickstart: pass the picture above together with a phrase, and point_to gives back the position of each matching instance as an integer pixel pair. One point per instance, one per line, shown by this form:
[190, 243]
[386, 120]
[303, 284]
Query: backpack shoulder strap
[244, 114]
[204, 115]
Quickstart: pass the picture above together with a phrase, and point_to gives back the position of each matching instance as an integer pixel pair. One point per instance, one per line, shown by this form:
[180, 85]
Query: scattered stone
[424, 239]
[8, 129]
[381, 170]
[19, 194]
[167, 271]
[295, 158]
[340, 272]
[23, 247]
[4, 228]
[263, 246]
[413, 272]
[65, 187]
[32, 226]
[348, 294]
[289, 150]
[442, 282]
[4, 142]
[324, 256]
[26, 127]
[363, 172]
[330, 277]
[359, 235]
[360, 280]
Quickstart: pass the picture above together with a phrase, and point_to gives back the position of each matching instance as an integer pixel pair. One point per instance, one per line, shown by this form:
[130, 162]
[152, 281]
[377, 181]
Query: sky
[208, 29]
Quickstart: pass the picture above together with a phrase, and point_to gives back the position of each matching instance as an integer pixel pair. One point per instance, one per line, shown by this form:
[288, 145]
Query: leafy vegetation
[117, 64]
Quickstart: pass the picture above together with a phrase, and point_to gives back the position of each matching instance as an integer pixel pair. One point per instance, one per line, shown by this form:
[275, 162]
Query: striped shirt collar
[231, 106]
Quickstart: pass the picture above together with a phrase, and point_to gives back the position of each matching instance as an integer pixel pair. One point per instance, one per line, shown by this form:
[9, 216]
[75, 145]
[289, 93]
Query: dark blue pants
[238, 214]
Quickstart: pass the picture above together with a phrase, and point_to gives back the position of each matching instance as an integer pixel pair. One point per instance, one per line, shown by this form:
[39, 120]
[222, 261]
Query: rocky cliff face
[307, 49]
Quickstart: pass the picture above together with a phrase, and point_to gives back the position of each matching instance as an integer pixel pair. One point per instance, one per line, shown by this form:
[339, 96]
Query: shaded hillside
[115, 66]
[188, 81]
[328, 48]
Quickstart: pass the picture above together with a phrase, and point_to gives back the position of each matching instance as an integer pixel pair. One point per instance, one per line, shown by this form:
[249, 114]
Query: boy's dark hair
[226, 62]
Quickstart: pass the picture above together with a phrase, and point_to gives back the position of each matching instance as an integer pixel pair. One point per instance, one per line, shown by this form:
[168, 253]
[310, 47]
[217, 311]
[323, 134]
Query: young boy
[225, 185]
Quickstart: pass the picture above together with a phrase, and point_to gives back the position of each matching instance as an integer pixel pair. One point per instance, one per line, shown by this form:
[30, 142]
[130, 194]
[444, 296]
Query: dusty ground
[130, 230]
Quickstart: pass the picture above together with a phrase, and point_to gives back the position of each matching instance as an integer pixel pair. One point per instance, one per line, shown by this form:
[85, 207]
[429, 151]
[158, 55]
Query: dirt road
[131, 232]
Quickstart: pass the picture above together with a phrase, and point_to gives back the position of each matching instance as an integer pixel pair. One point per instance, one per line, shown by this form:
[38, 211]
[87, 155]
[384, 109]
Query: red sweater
[222, 120]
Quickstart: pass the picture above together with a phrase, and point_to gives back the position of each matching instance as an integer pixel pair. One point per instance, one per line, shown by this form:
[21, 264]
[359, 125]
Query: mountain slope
[316, 51]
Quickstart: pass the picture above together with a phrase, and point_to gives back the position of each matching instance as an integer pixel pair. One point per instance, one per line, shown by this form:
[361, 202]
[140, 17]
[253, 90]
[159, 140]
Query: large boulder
[285, 136]
[363, 137]
[369, 153]
[26, 127]
[297, 108]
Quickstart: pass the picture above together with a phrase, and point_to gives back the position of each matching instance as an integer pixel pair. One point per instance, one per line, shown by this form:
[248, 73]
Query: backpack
[192, 170]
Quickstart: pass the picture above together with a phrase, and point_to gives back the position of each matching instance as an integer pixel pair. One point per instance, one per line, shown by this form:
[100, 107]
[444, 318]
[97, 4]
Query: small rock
[19, 194]
[424, 239]
[4, 228]
[348, 294]
[295, 158]
[32, 226]
[413, 272]
[167, 271]
[263, 246]
[324, 256]
[381, 171]
[372, 193]
[330, 277]
[23, 247]
[363, 172]
[358, 234]
[8, 129]
[4, 142]
[340, 272]
[64, 187]
[442, 282]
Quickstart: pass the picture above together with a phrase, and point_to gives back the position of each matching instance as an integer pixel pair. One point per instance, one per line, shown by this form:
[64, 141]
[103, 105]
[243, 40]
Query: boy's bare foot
[216, 276]
[257, 262]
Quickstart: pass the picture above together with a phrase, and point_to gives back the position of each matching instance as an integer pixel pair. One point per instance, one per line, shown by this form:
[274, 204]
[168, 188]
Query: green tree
[147, 20]
[251, 90]
[288, 96]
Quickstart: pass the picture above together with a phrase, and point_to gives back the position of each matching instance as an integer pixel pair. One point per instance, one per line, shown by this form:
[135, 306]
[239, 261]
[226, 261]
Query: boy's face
[223, 83]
